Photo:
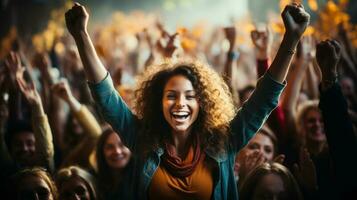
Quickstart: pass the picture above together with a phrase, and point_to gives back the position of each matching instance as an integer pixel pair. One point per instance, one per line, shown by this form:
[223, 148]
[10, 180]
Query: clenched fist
[295, 19]
[328, 54]
[77, 20]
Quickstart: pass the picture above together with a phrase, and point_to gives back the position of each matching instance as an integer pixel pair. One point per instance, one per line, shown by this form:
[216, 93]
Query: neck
[315, 148]
[182, 142]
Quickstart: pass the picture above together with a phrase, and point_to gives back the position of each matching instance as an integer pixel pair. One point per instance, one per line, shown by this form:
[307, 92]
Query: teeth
[180, 113]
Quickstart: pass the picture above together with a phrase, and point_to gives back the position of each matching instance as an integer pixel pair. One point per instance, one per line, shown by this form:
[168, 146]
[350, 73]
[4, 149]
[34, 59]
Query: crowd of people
[198, 124]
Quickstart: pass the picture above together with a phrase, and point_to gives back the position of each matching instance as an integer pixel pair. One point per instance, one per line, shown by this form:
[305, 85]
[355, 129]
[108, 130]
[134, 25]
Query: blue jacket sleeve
[114, 110]
[255, 111]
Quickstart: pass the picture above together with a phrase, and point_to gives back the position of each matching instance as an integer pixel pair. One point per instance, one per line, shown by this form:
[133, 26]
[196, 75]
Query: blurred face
[23, 148]
[73, 189]
[347, 87]
[116, 154]
[179, 104]
[271, 186]
[33, 188]
[263, 144]
[314, 127]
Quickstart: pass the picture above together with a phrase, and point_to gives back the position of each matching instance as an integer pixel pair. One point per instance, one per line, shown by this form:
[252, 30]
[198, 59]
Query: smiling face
[23, 148]
[314, 126]
[116, 154]
[263, 144]
[179, 104]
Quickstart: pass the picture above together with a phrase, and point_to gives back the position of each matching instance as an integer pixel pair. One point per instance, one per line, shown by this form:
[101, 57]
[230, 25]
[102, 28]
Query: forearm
[88, 122]
[43, 136]
[93, 67]
[293, 88]
[280, 66]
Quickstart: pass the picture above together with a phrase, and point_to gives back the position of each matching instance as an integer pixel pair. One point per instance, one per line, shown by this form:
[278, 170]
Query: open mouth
[117, 158]
[180, 115]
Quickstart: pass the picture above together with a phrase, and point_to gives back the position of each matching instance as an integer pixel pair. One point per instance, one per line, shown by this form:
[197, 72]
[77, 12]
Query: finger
[18, 59]
[337, 47]
[280, 159]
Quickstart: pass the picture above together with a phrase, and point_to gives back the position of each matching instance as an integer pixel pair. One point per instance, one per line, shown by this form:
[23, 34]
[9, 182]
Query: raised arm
[80, 154]
[264, 99]
[112, 106]
[295, 21]
[76, 21]
[338, 126]
[41, 127]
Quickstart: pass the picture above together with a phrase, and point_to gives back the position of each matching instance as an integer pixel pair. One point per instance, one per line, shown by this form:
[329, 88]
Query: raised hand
[43, 62]
[170, 47]
[230, 33]
[295, 19]
[77, 20]
[13, 66]
[28, 89]
[62, 90]
[262, 42]
[305, 172]
[279, 159]
[248, 162]
[328, 54]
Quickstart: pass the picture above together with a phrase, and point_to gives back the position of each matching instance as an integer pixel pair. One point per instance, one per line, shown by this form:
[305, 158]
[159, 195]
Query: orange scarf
[175, 165]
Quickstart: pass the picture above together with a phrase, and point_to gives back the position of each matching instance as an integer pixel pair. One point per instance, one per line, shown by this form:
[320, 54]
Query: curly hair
[215, 102]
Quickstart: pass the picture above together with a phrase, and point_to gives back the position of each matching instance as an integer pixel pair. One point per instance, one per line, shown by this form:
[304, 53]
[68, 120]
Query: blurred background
[41, 21]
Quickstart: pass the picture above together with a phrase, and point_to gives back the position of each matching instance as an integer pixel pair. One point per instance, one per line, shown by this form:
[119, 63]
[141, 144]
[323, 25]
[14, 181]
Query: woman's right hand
[77, 20]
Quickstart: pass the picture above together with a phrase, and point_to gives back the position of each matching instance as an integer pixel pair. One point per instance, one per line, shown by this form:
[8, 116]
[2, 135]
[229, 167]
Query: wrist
[80, 34]
[37, 109]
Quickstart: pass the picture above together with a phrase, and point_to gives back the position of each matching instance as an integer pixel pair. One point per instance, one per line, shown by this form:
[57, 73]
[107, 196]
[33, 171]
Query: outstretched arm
[40, 125]
[112, 106]
[76, 21]
[295, 21]
[338, 126]
[264, 99]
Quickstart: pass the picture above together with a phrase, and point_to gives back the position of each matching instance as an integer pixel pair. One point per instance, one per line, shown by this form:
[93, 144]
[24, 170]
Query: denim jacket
[250, 117]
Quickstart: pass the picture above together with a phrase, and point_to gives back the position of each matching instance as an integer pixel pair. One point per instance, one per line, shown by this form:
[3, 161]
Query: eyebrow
[176, 91]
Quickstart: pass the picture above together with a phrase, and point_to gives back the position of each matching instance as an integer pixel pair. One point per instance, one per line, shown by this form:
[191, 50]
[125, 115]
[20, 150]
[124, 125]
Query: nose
[118, 150]
[180, 102]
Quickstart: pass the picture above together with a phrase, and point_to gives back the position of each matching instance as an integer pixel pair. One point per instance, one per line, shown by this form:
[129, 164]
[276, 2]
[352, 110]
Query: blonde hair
[65, 174]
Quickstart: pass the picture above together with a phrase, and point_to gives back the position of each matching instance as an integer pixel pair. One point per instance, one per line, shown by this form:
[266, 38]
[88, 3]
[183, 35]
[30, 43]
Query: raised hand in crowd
[29, 91]
[296, 20]
[262, 40]
[13, 66]
[328, 54]
[63, 90]
[305, 171]
[76, 21]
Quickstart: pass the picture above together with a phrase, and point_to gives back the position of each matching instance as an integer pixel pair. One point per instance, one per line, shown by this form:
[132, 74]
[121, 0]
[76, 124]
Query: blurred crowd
[55, 144]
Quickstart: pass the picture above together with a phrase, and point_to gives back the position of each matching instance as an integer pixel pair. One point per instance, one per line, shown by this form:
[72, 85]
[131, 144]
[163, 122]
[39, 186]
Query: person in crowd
[75, 183]
[113, 163]
[186, 130]
[33, 183]
[270, 181]
[82, 130]
[338, 125]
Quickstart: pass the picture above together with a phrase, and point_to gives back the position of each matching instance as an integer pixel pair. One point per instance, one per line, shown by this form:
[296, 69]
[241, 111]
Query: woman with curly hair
[185, 131]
